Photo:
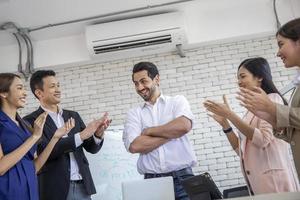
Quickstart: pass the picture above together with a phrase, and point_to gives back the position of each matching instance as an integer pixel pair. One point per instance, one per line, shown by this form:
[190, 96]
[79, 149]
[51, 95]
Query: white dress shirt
[59, 122]
[171, 156]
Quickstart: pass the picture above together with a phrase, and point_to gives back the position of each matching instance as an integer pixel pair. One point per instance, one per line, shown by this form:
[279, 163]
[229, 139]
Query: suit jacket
[288, 117]
[54, 177]
[267, 163]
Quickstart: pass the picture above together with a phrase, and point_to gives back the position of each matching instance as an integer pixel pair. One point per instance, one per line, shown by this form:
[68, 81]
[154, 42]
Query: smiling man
[157, 130]
[66, 174]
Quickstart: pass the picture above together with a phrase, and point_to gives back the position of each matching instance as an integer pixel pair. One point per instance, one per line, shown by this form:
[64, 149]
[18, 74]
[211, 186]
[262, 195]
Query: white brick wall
[206, 72]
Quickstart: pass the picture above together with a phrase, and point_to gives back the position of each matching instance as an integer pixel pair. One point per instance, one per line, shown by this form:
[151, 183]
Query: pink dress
[266, 162]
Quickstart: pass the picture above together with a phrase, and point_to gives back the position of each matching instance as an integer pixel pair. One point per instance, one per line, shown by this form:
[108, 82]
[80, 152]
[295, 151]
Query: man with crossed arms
[157, 130]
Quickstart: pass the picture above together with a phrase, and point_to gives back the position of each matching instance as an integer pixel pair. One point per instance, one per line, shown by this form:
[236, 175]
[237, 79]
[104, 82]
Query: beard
[149, 94]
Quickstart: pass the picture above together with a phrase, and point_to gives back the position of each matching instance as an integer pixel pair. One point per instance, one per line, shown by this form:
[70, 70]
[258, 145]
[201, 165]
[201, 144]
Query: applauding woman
[285, 119]
[18, 161]
[265, 160]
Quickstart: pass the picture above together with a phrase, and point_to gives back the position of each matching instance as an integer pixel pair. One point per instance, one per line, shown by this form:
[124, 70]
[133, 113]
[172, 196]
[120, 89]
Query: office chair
[236, 192]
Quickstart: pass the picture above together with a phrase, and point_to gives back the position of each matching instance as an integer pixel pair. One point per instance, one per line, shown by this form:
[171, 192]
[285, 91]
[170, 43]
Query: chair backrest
[201, 187]
[236, 192]
[149, 189]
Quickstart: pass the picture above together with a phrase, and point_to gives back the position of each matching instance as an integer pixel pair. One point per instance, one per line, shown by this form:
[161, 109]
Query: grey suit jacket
[288, 118]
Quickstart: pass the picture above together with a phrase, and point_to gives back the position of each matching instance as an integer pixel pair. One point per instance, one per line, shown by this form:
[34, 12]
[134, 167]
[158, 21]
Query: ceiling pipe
[29, 62]
[278, 25]
[20, 54]
[24, 33]
[107, 15]
[31, 67]
[21, 36]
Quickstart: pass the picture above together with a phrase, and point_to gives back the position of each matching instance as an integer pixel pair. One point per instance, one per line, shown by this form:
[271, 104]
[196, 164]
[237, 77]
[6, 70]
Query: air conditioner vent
[133, 44]
[138, 36]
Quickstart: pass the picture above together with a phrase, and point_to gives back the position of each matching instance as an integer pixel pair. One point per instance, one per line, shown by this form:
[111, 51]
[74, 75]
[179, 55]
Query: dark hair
[260, 68]
[36, 80]
[290, 30]
[6, 80]
[148, 66]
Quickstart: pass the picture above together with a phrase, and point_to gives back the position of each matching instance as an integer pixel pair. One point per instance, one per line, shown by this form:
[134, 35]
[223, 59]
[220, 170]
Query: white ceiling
[36, 13]
[206, 22]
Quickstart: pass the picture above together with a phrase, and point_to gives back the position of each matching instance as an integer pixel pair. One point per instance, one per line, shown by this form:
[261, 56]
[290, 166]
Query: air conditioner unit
[137, 36]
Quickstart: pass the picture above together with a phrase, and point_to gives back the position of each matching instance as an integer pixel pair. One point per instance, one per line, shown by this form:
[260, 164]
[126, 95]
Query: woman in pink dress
[265, 160]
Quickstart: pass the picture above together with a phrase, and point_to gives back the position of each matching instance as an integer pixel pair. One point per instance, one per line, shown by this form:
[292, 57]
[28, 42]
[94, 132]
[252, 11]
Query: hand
[254, 99]
[220, 109]
[90, 129]
[221, 120]
[257, 102]
[105, 122]
[65, 129]
[39, 125]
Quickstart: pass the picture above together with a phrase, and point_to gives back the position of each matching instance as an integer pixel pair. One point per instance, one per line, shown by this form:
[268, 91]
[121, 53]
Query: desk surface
[278, 196]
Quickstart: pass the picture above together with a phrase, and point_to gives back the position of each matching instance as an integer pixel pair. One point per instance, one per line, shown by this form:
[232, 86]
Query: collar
[60, 110]
[161, 98]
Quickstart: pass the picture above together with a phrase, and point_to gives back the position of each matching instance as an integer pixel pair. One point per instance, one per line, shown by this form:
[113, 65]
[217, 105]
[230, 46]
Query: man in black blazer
[66, 174]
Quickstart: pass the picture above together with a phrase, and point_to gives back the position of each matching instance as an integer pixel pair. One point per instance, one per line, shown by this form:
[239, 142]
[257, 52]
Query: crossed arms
[153, 137]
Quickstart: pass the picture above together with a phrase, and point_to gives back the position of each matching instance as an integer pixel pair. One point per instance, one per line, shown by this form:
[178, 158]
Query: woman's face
[16, 96]
[247, 80]
[288, 51]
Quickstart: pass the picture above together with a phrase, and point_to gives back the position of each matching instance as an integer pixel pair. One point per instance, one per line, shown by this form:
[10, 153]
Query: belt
[76, 181]
[178, 173]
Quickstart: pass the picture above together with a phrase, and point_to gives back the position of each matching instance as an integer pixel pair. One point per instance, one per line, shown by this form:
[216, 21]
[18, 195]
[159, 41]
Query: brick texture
[207, 72]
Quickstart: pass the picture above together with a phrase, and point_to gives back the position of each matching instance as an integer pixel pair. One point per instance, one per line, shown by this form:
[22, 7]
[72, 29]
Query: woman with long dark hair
[18, 161]
[285, 119]
[265, 160]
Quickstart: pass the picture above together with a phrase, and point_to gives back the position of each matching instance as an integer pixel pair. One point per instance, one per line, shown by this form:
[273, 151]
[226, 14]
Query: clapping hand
[39, 125]
[256, 101]
[105, 122]
[90, 129]
[220, 111]
[65, 129]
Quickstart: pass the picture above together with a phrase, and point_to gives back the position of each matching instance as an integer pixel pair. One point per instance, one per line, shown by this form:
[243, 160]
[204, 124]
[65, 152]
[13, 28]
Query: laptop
[161, 188]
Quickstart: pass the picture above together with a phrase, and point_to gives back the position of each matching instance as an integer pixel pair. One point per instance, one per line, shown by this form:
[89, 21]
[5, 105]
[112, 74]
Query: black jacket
[54, 176]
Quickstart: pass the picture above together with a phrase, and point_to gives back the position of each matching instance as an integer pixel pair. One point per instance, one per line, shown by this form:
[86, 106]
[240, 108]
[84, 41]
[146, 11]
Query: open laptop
[149, 189]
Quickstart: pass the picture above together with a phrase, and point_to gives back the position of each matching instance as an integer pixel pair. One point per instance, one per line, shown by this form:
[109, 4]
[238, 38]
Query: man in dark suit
[66, 174]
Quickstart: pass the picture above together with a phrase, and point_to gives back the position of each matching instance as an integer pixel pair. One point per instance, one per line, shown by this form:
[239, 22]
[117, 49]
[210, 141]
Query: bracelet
[227, 130]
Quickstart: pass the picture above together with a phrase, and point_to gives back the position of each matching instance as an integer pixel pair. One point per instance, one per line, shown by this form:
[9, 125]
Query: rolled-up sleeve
[182, 108]
[132, 127]
[264, 133]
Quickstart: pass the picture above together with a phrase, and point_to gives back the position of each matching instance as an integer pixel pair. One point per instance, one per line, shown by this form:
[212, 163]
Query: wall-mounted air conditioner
[137, 36]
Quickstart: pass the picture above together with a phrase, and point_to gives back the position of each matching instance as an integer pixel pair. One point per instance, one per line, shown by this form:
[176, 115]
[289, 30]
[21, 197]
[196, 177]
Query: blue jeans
[178, 177]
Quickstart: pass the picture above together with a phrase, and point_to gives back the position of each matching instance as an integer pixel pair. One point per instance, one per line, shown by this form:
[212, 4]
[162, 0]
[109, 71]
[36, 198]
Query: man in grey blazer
[288, 119]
